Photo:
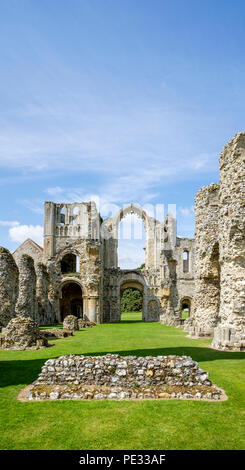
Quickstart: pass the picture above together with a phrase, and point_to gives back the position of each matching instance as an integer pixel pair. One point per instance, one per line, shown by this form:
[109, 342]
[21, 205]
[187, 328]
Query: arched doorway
[185, 308]
[131, 301]
[71, 301]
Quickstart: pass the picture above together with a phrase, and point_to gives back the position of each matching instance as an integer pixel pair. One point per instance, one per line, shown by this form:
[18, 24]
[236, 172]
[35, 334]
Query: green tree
[142, 266]
[131, 300]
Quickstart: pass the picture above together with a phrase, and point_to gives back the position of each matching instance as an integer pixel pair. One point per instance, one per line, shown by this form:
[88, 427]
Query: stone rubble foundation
[56, 333]
[117, 377]
[85, 324]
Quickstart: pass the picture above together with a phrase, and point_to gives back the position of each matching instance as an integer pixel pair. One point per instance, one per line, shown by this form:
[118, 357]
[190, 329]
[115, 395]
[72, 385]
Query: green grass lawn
[135, 425]
[184, 314]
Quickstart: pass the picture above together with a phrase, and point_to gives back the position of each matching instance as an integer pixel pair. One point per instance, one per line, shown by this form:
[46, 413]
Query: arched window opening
[70, 264]
[74, 217]
[185, 261]
[131, 242]
[62, 216]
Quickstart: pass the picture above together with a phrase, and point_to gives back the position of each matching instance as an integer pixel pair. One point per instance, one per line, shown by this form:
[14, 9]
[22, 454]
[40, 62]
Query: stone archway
[135, 285]
[71, 300]
[185, 305]
[133, 279]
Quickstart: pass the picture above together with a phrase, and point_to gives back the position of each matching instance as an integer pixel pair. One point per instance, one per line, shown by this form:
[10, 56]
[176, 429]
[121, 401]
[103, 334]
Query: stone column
[92, 311]
[49, 229]
[207, 285]
[42, 289]
[230, 333]
[169, 296]
[27, 302]
[90, 305]
[9, 278]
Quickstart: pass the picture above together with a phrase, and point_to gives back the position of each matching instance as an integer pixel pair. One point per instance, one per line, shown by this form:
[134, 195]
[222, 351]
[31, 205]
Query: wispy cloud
[34, 205]
[186, 211]
[87, 134]
[8, 223]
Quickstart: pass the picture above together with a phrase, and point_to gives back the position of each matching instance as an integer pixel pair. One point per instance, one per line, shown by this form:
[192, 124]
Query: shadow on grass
[48, 327]
[130, 321]
[25, 372]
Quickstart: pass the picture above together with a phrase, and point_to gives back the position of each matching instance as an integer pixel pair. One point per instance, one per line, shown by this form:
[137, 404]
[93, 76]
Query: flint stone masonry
[22, 333]
[117, 377]
[85, 324]
[77, 272]
[27, 301]
[230, 333]
[9, 279]
[207, 273]
[71, 323]
[42, 290]
[56, 333]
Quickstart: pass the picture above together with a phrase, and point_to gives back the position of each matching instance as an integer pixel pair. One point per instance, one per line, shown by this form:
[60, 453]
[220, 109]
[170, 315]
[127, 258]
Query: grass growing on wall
[165, 424]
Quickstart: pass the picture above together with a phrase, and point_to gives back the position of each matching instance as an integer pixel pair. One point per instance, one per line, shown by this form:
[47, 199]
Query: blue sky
[125, 101]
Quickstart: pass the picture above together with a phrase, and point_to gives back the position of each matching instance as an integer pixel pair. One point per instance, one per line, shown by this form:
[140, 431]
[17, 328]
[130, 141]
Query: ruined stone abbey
[77, 270]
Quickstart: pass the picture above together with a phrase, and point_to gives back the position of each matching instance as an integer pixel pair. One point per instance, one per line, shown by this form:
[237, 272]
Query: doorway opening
[71, 302]
[131, 302]
[185, 308]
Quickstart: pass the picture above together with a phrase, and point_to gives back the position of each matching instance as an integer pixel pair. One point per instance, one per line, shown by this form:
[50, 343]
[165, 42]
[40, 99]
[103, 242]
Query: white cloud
[20, 233]
[8, 223]
[139, 139]
[57, 190]
[130, 254]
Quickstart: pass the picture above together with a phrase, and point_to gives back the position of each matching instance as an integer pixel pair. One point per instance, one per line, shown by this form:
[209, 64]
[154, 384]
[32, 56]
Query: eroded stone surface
[85, 324]
[27, 300]
[71, 323]
[77, 271]
[22, 333]
[230, 333]
[9, 286]
[56, 333]
[116, 377]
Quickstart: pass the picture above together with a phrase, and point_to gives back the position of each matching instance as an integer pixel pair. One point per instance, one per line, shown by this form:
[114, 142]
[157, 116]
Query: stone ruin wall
[207, 277]
[184, 273]
[41, 282]
[27, 300]
[219, 298]
[219, 294]
[29, 247]
[230, 333]
[9, 286]
[122, 377]
[22, 332]
[44, 306]
[76, 233]
[24, 289]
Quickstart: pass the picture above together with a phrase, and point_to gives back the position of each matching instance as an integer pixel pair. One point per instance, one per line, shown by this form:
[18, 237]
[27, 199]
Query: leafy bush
[131, 300]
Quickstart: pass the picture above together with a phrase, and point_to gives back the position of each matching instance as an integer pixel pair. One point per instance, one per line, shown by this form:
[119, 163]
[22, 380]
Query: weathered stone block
[22, 333]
